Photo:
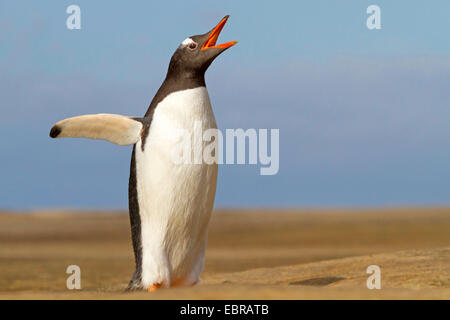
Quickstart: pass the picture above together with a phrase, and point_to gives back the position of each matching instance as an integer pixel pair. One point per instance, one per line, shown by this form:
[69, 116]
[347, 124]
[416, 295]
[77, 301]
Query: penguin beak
[214, 34]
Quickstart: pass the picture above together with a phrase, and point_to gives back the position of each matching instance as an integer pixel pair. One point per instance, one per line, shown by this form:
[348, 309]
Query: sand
[258, 254]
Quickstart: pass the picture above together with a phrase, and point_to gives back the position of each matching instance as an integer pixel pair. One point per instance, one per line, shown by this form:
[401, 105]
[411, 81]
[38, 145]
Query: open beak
[214, 34]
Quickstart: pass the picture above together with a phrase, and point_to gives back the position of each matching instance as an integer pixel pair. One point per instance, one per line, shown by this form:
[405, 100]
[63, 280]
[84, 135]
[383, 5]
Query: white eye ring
[186, 42]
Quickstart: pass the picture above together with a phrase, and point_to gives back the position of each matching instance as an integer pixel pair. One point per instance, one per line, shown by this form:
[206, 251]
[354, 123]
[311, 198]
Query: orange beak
[214, 34]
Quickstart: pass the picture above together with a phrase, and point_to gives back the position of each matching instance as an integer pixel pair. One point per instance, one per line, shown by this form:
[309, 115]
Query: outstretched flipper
[114, 128]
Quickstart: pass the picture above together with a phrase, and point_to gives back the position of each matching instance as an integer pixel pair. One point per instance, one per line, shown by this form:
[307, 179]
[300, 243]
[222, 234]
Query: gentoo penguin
[170, 204]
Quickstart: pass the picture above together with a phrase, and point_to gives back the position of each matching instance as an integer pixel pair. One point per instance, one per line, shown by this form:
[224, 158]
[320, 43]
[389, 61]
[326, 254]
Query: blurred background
[363, 114]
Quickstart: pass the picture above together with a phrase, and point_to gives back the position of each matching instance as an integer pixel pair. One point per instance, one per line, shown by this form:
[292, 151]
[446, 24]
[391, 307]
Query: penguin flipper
[121, 130]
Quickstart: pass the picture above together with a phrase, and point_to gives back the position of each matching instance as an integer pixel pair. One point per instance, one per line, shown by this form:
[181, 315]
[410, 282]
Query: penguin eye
[192, 45]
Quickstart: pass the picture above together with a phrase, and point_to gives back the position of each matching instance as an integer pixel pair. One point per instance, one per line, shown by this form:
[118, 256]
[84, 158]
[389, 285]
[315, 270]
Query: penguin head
[196, 53]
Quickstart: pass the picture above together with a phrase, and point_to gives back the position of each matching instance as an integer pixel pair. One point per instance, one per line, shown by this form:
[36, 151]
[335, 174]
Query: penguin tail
[135, 283]
[114, 128]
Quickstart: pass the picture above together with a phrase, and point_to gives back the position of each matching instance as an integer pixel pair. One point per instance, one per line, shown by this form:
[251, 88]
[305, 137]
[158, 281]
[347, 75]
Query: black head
[195, 54]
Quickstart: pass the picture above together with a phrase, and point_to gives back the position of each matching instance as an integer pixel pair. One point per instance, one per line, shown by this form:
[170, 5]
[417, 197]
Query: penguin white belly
[175, 200]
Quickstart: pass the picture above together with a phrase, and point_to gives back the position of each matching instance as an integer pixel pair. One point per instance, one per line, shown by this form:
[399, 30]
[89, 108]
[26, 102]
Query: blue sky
[363, 115]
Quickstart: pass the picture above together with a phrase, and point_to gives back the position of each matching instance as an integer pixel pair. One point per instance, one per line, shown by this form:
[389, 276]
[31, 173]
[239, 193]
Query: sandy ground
[251, 255]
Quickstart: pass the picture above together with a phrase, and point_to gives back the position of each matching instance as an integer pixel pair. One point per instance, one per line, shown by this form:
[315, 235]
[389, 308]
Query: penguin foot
[154, 287]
